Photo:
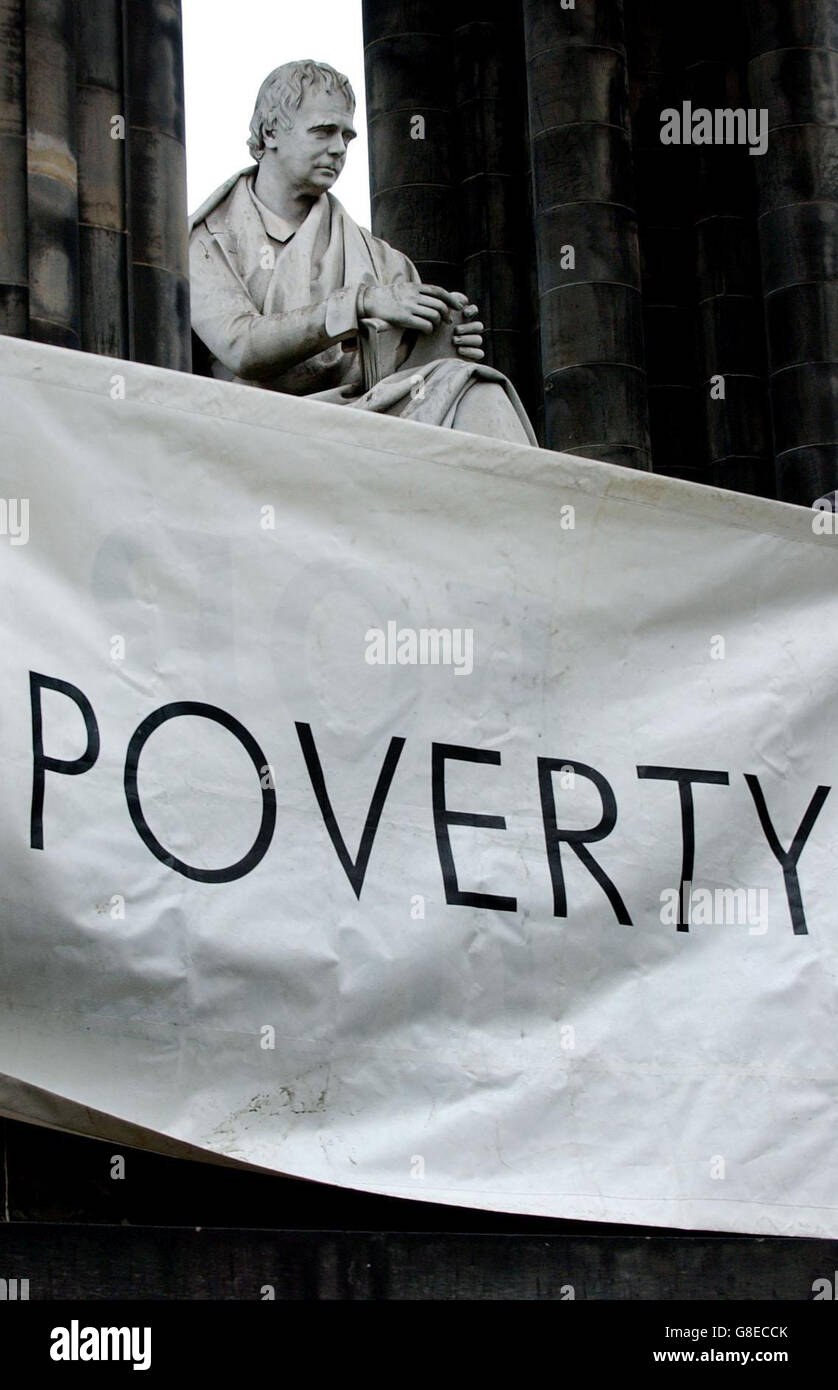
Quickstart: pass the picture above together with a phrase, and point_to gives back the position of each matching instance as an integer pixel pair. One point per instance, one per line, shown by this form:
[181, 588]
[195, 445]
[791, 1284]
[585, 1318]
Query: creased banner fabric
[402, 810]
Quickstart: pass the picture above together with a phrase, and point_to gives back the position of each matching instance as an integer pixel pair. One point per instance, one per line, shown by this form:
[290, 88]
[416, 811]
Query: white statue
[285, 285]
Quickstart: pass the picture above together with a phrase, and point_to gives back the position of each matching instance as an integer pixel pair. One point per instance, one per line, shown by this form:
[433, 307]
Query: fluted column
[793, 73]
[14, 259]
[730, 322]
[663, 192]
[53, 206]
[93, 231]
[492, 165]
[410, 95]
[590, 303]
[157, 212]
[102, 145]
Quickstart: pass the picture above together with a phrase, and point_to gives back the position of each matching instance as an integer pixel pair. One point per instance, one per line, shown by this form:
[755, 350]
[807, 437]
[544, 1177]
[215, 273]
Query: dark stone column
[93, 177]
[591, 324]
[664, 210]
[410, 95]
[793, 72]
[53, 172]
[491, 124]
[102, 231]
[14, 259]
[731, 324]
[157, 212]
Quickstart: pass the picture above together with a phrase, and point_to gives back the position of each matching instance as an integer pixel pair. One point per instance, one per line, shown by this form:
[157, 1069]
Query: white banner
[411, 812]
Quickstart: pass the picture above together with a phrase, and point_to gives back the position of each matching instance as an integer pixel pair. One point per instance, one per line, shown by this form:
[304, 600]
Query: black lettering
[577, 839]
[41, 763]
[355, 870]
[685, 776]
[443, 818]
[787, 859]
[258, 849]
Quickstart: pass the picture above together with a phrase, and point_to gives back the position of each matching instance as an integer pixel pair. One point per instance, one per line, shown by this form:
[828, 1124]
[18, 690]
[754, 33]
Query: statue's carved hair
[281, 96]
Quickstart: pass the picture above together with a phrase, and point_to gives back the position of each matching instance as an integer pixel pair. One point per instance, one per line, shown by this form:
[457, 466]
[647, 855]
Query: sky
[230, 46]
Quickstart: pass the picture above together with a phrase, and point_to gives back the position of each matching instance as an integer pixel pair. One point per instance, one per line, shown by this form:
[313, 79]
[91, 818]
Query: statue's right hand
[408, 305]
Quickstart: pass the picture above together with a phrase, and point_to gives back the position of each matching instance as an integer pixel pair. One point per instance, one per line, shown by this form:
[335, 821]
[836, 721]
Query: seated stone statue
[284, 281]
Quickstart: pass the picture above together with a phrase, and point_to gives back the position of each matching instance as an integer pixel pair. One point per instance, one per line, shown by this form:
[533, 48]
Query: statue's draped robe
[245, 262]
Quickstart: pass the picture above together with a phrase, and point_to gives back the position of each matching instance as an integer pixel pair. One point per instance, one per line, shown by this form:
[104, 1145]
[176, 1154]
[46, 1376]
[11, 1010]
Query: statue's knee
[487, 410]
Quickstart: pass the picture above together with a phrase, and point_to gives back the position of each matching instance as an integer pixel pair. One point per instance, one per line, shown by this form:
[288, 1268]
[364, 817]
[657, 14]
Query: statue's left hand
[467, 336]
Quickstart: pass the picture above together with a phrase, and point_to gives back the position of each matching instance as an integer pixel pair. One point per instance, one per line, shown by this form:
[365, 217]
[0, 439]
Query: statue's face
[312, 153]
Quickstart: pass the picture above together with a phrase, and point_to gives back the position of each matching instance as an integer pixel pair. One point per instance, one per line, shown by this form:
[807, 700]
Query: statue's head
[304, 109]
